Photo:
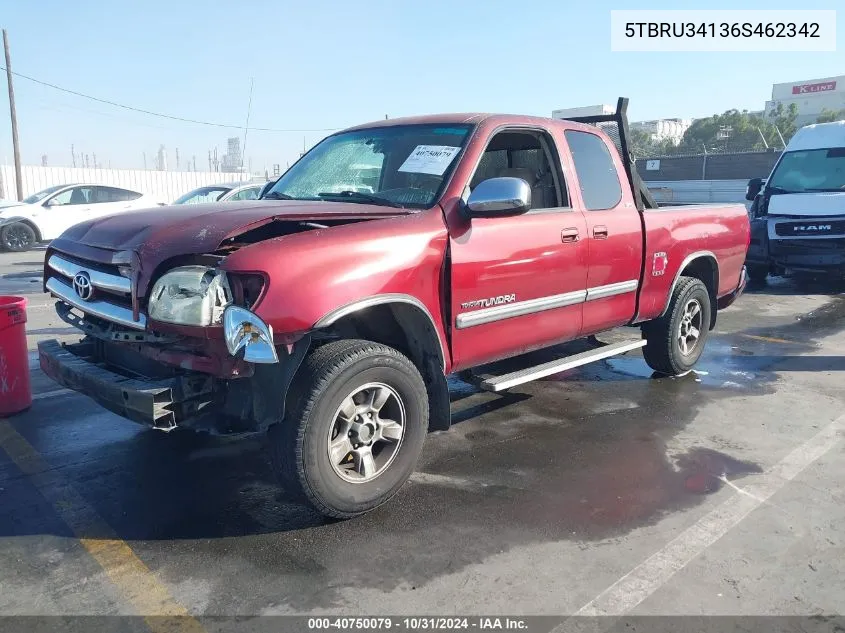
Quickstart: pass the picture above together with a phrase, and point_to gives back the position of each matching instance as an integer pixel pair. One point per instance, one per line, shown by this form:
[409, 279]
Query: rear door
[614, 232]
[107, 201]
[518, 282]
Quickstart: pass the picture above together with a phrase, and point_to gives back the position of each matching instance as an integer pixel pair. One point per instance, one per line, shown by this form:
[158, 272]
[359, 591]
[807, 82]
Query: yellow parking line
[769, 339]
[129, 574]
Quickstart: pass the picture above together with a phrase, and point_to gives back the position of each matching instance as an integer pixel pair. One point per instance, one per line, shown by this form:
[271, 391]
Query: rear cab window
[597, 174]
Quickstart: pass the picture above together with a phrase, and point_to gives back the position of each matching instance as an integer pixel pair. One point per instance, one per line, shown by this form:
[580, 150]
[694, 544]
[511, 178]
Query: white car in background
[47, 214]
[222, 193]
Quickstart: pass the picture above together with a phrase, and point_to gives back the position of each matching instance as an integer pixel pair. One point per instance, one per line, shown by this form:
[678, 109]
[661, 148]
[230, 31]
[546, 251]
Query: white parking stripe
[642, 581]
[51, 394]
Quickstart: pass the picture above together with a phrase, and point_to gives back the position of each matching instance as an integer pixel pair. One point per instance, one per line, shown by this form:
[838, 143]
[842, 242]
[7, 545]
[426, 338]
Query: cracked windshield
[403, 166]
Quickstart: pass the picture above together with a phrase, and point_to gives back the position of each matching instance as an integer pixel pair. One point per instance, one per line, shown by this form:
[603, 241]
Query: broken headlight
[190, 295]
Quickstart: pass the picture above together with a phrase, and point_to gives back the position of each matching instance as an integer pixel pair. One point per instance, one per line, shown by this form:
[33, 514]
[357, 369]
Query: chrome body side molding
[520, 308]
[532, 306]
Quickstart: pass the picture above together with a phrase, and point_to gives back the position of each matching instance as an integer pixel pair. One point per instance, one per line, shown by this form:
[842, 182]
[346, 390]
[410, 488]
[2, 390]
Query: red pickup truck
[329, 312]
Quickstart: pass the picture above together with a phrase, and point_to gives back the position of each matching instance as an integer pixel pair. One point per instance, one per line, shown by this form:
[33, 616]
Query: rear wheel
[18, 237]
[675, 341]
[354, 428]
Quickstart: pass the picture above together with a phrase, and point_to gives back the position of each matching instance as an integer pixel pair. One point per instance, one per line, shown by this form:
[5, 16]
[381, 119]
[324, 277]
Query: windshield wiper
[833, 189]
[356, 196]
[275, 195]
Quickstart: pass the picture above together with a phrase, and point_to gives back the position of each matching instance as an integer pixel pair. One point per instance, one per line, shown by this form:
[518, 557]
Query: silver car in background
[222, 192]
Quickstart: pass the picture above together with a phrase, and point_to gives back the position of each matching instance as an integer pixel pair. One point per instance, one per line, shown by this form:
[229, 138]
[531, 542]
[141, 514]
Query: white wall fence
[164, 186]
[697, 191]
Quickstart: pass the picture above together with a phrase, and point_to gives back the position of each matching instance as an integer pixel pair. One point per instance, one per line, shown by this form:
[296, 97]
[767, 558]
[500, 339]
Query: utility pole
[14, 115]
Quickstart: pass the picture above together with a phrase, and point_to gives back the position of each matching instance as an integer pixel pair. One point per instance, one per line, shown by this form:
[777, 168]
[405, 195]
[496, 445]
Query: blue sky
[332, 64]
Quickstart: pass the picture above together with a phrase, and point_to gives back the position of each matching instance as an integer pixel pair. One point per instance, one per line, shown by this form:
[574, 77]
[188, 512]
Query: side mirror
[498, 198]
[51, 203]
[755, 186]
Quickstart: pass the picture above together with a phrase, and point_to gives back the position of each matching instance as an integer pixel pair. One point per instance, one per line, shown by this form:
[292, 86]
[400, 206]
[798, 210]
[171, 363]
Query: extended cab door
[614, 235]
[518, 283]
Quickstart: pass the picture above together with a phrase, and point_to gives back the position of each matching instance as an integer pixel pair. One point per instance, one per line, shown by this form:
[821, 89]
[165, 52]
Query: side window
[99, 195]
[78, 195]
[121, 195]
[247, 194]
[525, 155]
[61, 198]
[597, 176]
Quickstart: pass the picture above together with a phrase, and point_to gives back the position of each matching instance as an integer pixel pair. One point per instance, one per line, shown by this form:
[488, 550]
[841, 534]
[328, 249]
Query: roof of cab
[470, 118]
[818, 136]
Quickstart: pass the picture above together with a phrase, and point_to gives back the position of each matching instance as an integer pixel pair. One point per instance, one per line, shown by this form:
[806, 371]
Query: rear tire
[18, 237]
[675, 341]
[354, 428]
[757, 274]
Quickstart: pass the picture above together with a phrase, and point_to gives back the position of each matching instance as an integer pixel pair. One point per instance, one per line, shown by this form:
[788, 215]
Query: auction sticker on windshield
[429, 159]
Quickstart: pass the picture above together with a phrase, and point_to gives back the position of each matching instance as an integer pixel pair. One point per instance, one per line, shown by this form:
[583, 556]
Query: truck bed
[682, 233]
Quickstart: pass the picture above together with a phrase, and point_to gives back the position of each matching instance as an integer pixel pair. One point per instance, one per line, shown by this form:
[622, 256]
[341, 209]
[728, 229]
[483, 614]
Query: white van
[798, 212]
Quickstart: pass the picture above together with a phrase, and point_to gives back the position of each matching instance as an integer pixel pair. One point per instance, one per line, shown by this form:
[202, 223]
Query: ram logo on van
[812, 228]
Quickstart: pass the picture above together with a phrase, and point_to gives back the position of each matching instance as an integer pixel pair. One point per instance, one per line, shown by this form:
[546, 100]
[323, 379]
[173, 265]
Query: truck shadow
[581, 457]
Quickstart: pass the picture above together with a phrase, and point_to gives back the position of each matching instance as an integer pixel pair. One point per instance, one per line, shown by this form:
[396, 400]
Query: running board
[506, 381]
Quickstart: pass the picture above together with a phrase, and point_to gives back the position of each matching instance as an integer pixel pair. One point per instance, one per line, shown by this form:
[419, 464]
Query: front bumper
[818, 255]
[162, 403]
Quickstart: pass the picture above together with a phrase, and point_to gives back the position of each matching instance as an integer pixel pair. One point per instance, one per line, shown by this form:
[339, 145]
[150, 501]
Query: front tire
[354, 428]
[18, 237]
[675, 341]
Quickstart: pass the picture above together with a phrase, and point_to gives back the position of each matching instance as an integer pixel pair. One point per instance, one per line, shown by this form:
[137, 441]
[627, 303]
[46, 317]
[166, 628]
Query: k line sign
[810, 88]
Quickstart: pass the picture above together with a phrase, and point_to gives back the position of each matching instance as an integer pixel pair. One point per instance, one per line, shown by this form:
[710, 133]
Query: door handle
[600, 232]
[569, 235]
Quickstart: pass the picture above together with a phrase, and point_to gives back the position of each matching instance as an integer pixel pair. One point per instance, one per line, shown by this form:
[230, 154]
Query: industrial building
[812, 96]
[657, 129]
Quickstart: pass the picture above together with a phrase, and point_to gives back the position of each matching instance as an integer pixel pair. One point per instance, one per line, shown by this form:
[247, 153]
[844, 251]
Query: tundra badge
[492, 301]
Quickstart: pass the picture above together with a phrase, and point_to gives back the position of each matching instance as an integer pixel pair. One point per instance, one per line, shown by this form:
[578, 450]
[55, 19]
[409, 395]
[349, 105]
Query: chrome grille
[112, 299]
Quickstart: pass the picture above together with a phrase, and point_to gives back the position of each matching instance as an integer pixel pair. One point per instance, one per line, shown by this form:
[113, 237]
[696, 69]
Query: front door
[63, 210]
[518, 283]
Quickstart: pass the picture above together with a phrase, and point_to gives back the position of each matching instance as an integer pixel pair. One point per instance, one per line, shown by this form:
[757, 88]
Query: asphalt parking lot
[599, 491]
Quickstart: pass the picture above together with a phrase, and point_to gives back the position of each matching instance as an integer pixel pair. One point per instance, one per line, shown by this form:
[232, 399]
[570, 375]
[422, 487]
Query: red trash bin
[15, 394]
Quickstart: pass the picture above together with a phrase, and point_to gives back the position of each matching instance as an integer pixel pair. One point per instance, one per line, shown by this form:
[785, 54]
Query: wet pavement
[538, 501]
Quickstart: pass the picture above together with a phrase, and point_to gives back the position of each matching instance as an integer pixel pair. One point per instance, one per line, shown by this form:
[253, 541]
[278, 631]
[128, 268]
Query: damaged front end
[183, 359]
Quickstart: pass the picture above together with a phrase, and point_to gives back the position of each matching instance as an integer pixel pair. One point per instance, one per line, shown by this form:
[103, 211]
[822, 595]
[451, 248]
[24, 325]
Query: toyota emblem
[82, 285]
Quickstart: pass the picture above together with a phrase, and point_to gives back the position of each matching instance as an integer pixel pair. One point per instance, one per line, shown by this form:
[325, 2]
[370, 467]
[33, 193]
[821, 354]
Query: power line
[159, 114]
